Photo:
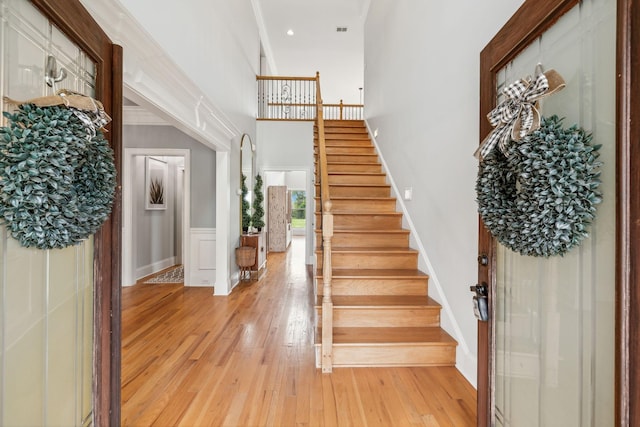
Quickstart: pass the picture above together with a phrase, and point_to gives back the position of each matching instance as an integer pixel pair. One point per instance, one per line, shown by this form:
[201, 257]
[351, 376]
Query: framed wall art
[155, 183]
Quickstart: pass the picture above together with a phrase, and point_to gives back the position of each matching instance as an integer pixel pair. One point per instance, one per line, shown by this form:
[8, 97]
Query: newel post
[327, 303]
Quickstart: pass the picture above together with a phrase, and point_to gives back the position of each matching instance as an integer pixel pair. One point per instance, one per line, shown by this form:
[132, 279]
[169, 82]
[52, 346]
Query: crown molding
[155, 82]
[139, 116]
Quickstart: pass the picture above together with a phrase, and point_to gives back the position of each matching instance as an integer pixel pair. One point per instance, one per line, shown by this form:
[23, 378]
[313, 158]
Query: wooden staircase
[382, 315]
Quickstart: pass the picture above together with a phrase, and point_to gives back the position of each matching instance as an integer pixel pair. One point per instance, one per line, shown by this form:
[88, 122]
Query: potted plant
[246, 207]
[257, 219]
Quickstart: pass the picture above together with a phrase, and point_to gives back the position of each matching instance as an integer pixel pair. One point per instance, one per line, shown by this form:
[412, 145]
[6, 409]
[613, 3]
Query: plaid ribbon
[518, 115]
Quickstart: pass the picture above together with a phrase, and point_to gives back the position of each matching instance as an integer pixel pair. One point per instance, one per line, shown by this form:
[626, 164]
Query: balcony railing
[295, 98]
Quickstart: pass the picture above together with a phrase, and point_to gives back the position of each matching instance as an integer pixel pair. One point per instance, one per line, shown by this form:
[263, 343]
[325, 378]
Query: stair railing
[343, 111]
[295, 99]
[327, 235]
[286, 98]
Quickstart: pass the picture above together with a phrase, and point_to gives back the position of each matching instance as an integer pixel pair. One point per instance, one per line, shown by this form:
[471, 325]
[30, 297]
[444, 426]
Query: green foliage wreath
[57, 179]
[540, 199]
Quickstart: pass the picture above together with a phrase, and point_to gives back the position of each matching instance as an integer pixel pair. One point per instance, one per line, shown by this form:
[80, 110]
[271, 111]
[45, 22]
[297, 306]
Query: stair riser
[354, 167]
[362, 205]
[373, 261]
[351, 158]
[393, 355]
[378, 240]
[364, 221]
[358, 191]
[334, 123]
[382, 317]
[357, 179]
[331, 150]
[349, 286]
[343, 140]
[343, 129]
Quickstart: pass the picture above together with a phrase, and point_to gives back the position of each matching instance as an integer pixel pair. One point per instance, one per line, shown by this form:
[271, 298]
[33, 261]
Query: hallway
[190, 358]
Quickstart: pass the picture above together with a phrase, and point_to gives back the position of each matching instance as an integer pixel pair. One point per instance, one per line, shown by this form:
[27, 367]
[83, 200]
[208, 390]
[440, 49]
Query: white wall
[284, 147]
[422, 95]
[215, 42]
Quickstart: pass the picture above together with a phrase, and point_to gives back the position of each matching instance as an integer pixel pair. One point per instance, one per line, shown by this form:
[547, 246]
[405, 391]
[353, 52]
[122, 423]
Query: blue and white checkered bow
[518, 115]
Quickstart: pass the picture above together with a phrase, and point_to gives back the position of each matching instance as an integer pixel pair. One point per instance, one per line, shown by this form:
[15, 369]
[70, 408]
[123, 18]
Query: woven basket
[245, 256]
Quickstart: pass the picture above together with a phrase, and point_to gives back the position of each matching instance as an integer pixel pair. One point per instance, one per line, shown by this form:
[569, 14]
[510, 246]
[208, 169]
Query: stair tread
[353, 154]
[392, 273]
[380, 301]
[356, 173]
[345, 142]
[432, 335]
[357, 198]
[369, 231]
[358, 185]
[354, 212]
[342, 129]
[366, 249]
[353, 164]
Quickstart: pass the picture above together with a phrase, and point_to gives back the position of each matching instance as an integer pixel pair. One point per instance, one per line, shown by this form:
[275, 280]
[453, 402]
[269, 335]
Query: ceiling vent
[341, 29]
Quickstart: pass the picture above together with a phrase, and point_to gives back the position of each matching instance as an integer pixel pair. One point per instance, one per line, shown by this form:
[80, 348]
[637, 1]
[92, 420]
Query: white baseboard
[155, 267]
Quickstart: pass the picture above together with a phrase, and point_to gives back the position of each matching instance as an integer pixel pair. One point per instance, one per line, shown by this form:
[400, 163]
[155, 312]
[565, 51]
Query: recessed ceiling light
[289, 32]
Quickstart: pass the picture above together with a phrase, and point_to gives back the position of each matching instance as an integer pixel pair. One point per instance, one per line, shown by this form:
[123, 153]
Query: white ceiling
[316, 45]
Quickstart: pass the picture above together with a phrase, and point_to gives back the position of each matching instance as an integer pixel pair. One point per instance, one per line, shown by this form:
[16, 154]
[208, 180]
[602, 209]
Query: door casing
[527, 24]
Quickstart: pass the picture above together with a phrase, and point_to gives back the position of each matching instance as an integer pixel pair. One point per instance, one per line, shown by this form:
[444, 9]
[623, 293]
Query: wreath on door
[539, 196]
[57, 172]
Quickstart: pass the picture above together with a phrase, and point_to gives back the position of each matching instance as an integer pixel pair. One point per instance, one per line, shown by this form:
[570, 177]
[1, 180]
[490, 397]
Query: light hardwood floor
[193, 359]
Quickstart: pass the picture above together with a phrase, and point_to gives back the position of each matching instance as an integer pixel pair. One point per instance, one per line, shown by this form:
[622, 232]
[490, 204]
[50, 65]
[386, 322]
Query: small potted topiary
[246, 207]
[257, 219]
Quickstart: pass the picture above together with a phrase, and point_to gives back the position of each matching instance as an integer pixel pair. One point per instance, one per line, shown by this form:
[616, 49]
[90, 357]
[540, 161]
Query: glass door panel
[555, 317]
[46, 297]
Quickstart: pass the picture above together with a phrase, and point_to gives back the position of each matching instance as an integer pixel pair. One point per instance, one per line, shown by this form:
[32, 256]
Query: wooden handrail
[310, 79]
[327, 235]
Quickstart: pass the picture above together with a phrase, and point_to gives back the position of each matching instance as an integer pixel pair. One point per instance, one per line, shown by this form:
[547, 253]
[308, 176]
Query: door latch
[480, 302]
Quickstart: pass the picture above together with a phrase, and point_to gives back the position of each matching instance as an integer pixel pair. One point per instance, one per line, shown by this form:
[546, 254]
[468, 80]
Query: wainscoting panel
[203, 256]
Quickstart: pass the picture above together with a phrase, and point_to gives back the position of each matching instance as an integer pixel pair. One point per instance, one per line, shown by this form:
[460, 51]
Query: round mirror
[247, 176]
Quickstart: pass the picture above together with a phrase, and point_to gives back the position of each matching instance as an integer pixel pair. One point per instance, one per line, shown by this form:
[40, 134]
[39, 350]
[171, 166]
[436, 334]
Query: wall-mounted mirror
[247, 173]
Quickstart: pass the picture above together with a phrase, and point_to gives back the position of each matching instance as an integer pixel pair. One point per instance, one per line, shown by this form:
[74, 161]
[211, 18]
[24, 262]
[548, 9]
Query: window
[299, 208]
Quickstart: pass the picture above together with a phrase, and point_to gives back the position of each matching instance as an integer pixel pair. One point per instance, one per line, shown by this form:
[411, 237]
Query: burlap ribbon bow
[90, 111]
[517, 116]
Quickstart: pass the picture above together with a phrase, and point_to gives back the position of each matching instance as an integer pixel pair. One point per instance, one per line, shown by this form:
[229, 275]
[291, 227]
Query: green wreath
[57, 177]
[540, 199]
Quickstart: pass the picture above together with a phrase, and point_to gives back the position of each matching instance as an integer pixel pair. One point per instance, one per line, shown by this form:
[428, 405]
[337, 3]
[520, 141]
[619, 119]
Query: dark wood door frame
[74, 20]
[526, 25]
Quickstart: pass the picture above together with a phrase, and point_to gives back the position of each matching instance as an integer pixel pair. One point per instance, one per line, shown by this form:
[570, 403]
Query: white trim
[465, 362]
[203, 230]
[146, 270]
[264, 37]
[141, 116]
[223, 218]
[128, 278]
